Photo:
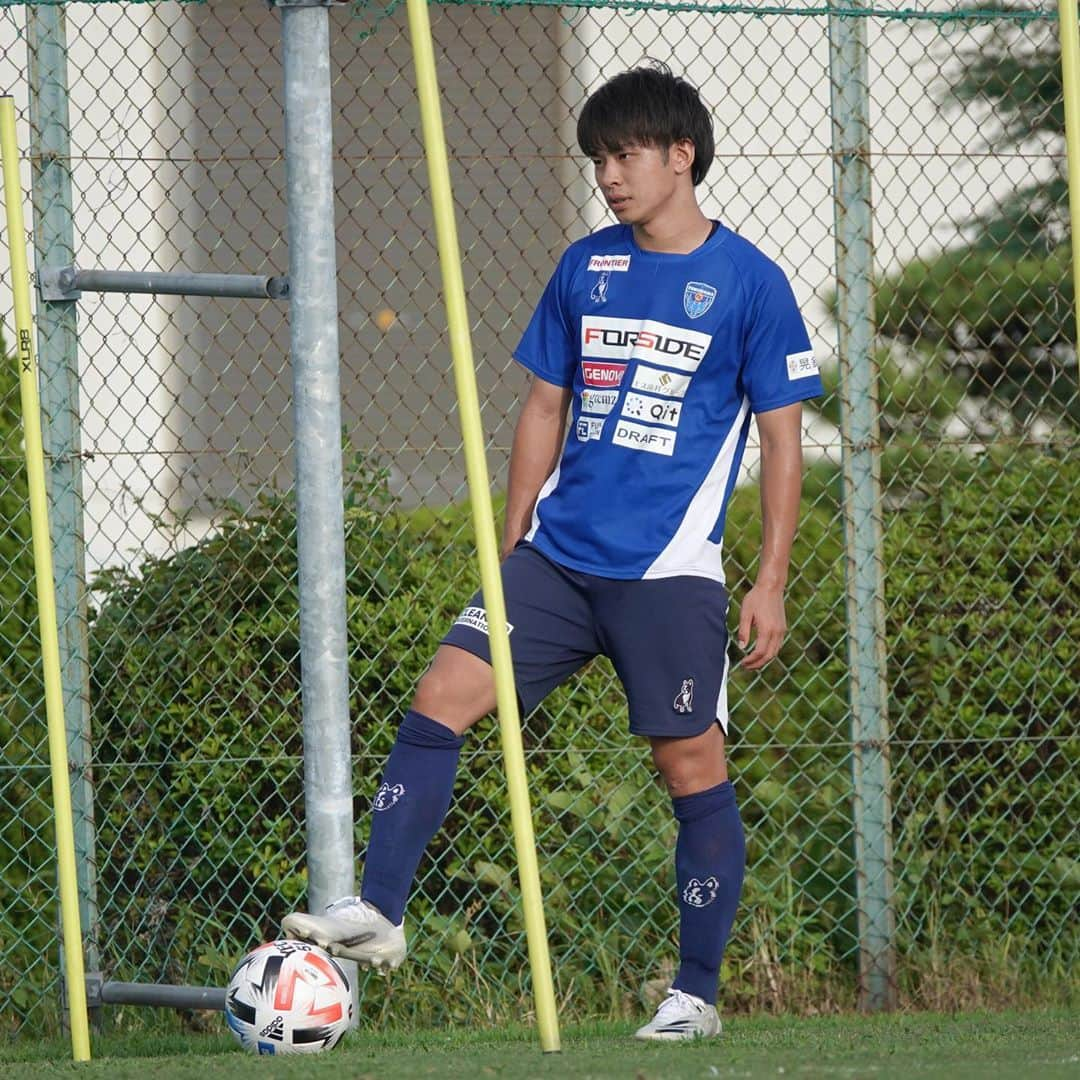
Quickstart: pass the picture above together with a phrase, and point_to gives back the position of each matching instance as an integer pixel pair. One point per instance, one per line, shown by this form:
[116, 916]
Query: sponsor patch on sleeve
[800, 365]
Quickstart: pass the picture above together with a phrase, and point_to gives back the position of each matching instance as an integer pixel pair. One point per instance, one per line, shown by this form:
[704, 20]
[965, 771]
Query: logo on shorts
[476, 619]
[700, 893]
[684, 699]
[386, 796]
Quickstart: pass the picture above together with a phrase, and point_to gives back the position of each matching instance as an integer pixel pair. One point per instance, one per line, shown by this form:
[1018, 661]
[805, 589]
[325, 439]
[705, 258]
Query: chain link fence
[171, 494]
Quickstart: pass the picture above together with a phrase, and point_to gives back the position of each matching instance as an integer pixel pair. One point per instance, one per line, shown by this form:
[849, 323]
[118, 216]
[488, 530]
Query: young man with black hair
[660, 337]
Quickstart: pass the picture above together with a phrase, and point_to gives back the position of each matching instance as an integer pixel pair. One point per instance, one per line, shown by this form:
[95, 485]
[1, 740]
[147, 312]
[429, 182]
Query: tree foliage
[1000, 304]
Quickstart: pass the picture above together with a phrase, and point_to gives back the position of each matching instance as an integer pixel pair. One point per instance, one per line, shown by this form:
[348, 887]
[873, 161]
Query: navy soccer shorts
[666, 638]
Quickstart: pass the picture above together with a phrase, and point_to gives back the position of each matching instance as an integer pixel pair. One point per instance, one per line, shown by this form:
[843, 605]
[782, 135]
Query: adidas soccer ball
[288, 997]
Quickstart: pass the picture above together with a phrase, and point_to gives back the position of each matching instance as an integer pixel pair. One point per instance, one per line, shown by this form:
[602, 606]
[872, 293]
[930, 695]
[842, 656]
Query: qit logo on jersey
[697, 298]
[657, 410]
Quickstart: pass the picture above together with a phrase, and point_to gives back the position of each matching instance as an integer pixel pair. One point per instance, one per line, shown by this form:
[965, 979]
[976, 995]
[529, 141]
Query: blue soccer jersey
[668, 356]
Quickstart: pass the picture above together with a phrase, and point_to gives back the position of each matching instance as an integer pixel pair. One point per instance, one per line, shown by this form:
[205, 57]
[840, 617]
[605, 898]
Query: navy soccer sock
[710, 855]
[408, 809]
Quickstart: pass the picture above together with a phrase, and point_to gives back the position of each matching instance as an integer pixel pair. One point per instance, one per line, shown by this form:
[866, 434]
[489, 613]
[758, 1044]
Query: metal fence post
[850, 105]
[317, 410]
[54, 242]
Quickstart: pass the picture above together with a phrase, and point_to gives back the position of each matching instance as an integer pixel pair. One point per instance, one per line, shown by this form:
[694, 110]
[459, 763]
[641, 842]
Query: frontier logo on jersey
[609, 263]
[643, 339]
[608, 376]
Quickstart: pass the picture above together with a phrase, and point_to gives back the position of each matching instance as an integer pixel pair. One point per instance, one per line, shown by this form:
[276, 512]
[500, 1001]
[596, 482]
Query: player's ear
[682, 156]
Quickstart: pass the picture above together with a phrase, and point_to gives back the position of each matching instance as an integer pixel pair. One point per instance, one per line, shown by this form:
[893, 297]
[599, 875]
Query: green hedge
[984, 618]
[195, 690]
[198, 771]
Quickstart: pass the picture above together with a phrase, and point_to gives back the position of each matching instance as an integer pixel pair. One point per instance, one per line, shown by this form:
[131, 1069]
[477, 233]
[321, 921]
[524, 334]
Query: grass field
[1001, 1045]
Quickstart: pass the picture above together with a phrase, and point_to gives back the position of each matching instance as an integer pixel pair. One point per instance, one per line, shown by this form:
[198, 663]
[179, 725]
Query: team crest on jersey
[599, 290]
[697, 298]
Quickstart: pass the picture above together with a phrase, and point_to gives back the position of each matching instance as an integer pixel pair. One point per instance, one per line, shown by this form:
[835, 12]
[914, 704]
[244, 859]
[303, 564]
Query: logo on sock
[684, 699]
[700, 893]
[386, 796]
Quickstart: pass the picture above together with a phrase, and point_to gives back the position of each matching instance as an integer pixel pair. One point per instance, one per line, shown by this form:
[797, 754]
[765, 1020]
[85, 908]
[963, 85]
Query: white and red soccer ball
[288, 997]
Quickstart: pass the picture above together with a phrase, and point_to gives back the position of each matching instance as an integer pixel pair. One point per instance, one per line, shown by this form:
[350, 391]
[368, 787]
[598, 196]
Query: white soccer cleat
[351, 928]
[682, 1016]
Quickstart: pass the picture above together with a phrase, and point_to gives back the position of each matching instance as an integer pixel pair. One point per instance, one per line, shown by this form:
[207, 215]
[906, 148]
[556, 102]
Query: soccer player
[659, 337]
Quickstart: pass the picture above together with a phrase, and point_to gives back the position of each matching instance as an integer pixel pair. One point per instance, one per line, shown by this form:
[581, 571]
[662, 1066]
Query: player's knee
[682, 780]
[690, 765]
[454, 698]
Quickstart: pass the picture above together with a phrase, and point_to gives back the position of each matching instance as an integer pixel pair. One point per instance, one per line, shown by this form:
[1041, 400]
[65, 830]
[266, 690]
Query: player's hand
[762, 618]
[506, 545]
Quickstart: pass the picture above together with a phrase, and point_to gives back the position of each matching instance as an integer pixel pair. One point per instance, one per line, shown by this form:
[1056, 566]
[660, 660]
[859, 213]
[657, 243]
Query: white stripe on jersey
[690, 551]
[550, 484]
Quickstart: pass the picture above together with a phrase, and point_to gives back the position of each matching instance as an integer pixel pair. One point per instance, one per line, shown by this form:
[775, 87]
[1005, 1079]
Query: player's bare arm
[761, 616]
[538, 440]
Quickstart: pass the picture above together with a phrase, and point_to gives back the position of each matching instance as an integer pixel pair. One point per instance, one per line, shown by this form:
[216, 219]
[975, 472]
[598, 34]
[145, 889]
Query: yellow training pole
[1070, 80]
[483, 522]
[43, 572]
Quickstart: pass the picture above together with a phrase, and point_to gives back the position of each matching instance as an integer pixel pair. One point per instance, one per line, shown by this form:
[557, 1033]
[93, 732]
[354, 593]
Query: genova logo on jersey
[606, 375]
[643, 339]
[655, 381]
[658, 412]
[598, 401]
